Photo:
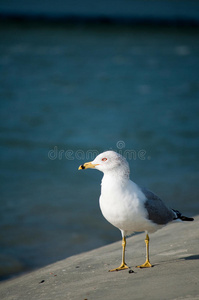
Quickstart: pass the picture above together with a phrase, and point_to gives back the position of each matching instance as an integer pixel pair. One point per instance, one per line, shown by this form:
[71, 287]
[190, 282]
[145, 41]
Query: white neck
[110, 179]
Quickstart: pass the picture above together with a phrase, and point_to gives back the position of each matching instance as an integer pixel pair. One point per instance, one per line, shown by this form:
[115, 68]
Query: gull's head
[107, 162]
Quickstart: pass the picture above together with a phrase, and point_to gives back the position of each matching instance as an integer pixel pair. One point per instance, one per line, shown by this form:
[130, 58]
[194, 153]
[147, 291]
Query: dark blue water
[69, 92]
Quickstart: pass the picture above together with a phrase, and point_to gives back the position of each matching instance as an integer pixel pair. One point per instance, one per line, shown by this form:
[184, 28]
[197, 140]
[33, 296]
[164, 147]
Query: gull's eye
[104, 159]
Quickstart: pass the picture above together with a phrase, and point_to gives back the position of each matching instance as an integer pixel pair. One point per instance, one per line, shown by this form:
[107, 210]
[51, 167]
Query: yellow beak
[87, 166]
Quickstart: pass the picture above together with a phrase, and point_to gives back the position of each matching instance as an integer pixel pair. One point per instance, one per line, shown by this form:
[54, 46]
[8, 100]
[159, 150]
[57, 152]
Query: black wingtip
[179, 216]
[183, 218]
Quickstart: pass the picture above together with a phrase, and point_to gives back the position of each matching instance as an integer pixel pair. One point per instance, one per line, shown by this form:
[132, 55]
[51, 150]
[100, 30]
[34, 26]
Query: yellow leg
[147, 263]
[123, 265]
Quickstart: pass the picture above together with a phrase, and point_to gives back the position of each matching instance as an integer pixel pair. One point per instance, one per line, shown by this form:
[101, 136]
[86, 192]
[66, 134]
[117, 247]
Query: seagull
[127, 206]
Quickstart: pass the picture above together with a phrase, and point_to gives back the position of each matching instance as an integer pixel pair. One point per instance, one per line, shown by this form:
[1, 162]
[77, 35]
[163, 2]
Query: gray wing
[157, 210]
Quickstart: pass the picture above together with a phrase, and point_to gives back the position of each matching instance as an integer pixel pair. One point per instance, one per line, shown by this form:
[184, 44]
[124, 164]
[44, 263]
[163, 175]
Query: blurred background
[77, 79]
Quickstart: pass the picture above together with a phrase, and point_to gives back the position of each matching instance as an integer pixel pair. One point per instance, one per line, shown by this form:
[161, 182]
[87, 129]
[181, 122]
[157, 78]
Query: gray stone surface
[174, 253]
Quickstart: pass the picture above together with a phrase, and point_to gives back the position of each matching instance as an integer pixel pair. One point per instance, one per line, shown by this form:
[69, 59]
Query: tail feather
[181, 217]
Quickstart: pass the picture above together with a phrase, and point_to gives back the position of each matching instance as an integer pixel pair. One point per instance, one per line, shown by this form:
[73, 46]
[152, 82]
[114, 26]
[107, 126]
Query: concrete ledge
[174, 253]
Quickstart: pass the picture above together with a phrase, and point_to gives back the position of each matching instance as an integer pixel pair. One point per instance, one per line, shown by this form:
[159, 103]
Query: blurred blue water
[83, 88]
